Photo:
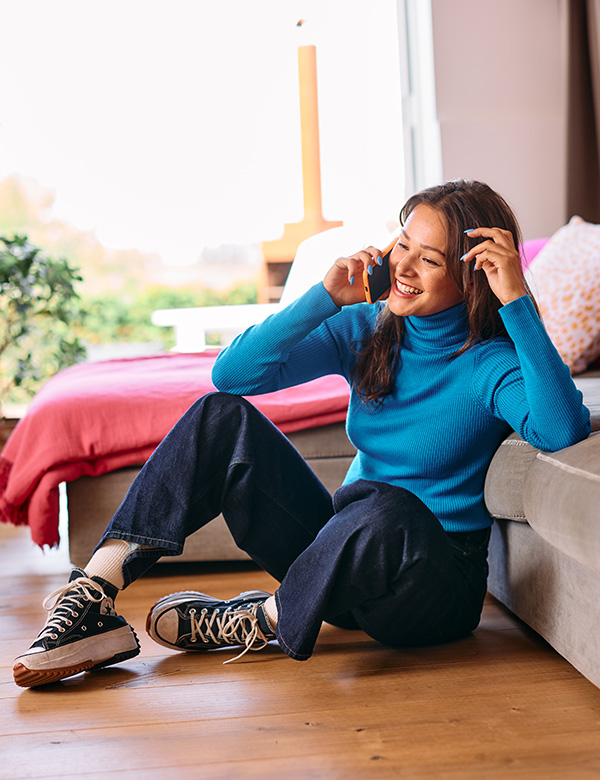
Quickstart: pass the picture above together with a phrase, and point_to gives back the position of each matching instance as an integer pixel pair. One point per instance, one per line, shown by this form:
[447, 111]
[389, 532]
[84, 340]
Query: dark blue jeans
[371, 557]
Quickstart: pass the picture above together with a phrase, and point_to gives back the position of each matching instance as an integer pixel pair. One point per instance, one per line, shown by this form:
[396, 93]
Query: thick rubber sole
[30, 678]
[36, 669]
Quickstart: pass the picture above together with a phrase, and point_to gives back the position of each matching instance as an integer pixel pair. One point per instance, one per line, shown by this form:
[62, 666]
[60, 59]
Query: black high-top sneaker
[195, 622]
[82, 632]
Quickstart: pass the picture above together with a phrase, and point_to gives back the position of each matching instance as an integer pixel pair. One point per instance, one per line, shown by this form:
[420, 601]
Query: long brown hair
[463, 204]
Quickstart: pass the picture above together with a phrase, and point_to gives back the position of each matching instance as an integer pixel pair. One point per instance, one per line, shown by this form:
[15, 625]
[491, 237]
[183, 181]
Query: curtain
[583, 109]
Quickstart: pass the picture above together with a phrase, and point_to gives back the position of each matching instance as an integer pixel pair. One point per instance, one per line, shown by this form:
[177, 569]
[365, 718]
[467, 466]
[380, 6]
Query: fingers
[343, 281]
[363, 260]
[498, 247]
[490, 254]
[498, 235]
[497, 256]
[368, 257]
[486, 251]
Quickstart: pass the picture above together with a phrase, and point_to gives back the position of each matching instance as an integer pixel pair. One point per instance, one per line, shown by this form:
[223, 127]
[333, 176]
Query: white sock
[107, 562]
[270, 608]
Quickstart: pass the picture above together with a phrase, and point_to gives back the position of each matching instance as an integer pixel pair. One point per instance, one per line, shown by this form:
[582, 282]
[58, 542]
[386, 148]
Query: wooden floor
[500, 704]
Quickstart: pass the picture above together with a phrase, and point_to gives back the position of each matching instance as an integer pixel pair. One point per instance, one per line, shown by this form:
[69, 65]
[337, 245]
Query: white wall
[500, 90]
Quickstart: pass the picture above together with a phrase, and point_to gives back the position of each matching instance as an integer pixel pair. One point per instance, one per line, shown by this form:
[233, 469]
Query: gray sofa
[545, 546]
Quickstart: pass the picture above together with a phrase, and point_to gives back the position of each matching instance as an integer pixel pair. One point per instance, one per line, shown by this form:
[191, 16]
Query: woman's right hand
[344, 281]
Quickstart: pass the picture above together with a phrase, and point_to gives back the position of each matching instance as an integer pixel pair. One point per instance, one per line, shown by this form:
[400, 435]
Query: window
[158, 143]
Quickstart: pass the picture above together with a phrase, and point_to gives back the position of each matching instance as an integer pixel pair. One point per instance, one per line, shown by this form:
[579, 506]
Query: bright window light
[171, 127]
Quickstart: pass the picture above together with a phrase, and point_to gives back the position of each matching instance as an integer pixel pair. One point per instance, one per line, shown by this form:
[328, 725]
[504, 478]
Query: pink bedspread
[97, 417]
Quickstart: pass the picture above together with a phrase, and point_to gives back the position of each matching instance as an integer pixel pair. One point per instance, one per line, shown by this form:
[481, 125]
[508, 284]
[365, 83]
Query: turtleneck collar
[445, 331]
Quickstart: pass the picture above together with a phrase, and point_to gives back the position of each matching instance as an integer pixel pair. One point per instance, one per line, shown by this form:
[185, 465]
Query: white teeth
[404, 288]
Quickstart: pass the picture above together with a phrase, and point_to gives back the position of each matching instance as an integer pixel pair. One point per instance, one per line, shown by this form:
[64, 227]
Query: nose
[405, 264]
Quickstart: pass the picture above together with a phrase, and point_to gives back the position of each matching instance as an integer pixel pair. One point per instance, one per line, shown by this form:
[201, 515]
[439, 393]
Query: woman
[439, 374]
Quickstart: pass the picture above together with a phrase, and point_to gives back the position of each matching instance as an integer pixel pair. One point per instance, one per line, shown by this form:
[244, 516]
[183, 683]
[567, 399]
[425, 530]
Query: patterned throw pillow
[565, 280]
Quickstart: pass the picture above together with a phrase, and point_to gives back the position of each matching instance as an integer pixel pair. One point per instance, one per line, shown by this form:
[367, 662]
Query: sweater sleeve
[290, 347]
[531, 388]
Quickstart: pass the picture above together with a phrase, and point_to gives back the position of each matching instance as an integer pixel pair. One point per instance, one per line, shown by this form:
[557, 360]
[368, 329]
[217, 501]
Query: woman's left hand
[499, 260]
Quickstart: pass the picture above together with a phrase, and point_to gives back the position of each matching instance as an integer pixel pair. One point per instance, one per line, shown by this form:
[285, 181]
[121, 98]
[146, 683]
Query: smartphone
[379, 282]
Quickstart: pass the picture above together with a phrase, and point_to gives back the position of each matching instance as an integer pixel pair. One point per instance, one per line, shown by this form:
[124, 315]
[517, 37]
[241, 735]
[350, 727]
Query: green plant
[112, 317]
[38, 306]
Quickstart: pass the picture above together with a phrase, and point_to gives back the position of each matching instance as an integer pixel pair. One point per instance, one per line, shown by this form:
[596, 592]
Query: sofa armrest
[561, 497]
[504, 482]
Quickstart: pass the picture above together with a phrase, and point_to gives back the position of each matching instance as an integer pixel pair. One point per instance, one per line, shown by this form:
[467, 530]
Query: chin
[404, 307]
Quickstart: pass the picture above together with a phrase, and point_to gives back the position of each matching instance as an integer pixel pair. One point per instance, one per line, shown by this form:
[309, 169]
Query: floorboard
[500, 703]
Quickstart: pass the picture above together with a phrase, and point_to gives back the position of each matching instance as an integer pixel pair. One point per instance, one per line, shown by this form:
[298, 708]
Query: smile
[406, 290]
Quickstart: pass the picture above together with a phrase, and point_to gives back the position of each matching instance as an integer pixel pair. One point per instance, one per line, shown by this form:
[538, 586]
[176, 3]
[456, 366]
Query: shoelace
[233, 626]
[60, 604]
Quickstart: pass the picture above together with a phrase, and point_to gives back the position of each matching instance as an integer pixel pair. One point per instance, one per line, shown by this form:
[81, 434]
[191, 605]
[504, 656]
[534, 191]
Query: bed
[93, 425]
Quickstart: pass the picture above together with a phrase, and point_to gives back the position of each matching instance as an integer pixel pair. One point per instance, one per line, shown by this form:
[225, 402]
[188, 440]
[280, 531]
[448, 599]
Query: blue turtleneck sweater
[436, 434]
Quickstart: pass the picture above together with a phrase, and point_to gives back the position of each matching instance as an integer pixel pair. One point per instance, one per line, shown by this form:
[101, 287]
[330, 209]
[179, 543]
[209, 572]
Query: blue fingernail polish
[379, 260]
[465, 254]
[370, 270]
[469, 230]
[351, 280]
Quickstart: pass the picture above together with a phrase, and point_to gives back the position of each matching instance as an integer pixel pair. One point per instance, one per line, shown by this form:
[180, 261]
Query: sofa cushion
[589, 384]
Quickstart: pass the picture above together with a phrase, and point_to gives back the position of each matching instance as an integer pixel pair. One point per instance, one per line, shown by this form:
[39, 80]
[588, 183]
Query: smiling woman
[435, 267]
[400, 550]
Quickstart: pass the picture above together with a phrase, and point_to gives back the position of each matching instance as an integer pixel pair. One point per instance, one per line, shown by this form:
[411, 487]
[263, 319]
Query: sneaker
[82, 632]
[195, 622]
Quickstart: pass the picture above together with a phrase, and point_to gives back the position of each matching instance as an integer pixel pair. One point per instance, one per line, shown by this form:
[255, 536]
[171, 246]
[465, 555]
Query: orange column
[279, 254]
[309, 132]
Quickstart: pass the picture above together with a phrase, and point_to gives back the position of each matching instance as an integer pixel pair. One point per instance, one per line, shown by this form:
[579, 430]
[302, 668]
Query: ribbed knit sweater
[436, 434]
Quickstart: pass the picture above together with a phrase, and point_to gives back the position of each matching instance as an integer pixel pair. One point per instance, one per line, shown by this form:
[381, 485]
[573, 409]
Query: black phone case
[378, 283]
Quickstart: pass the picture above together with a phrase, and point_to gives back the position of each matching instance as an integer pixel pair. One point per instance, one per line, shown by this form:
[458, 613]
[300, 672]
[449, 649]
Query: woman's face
[420, 282]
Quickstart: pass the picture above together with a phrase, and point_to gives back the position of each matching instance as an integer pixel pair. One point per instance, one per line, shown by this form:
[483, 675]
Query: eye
[429, 261]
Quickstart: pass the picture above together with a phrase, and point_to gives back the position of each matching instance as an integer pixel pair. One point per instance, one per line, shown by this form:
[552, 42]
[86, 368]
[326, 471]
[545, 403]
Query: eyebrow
[425, 246]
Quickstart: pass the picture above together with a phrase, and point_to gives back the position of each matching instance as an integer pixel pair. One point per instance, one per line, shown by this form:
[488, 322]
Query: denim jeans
[372, 557]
